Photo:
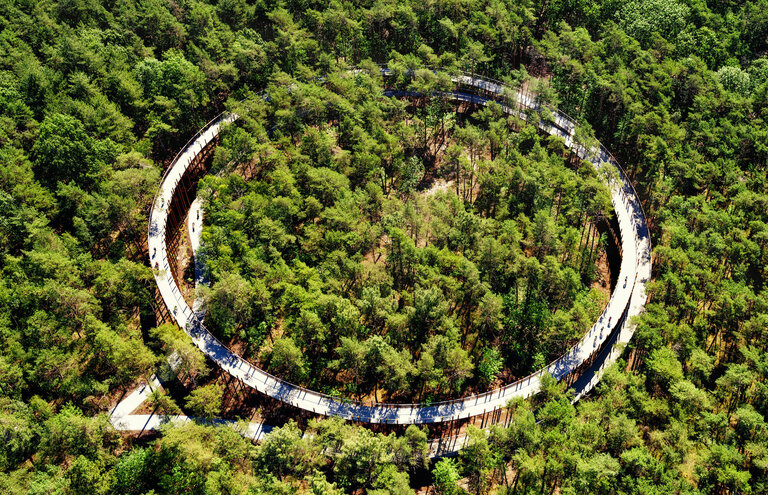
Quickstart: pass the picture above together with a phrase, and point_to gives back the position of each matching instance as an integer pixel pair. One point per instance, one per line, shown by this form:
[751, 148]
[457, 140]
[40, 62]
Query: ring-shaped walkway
[600, 346]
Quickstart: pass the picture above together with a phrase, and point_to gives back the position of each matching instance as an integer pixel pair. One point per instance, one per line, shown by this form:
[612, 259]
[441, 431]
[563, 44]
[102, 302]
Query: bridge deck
[626, 301]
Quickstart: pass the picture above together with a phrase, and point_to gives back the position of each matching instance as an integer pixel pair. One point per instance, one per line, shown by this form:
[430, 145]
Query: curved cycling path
[601, 345]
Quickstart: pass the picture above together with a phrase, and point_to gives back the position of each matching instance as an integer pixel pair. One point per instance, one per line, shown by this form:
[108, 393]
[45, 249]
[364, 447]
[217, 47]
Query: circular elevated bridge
[582, 364]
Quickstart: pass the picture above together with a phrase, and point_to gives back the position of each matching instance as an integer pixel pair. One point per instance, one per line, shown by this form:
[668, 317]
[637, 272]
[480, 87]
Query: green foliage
[68, 435]
[19, 431]
[205, 401]
[284, 453]
[329, 255]
[286, 358]
[63, 152]
[333, 244]
[187, 358]
[476, 460]
[641, 19]
[734, 79]
[446, 477]
[131, 471]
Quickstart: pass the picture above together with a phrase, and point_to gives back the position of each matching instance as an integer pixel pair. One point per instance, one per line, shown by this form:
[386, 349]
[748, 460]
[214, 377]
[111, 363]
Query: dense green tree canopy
[96, 97]
[350, 271]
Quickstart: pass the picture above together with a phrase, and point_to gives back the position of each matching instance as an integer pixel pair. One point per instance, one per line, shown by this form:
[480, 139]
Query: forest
[337, 255]
[97, 97]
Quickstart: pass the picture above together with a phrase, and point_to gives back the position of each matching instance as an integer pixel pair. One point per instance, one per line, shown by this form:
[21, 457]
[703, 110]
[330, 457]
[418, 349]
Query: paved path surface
[195, 229]
[626, 301]
[121, 418]
[135, 398]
